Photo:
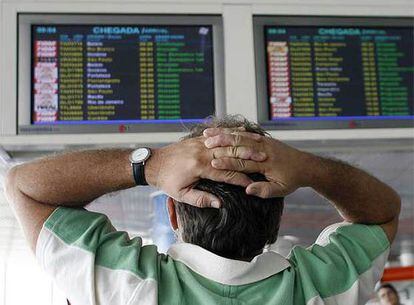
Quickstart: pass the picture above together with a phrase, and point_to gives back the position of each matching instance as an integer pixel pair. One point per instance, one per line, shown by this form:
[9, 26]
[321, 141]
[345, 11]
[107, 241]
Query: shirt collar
[228, 271]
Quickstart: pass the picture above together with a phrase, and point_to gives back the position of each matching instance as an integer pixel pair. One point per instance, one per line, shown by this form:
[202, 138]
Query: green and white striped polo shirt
[95, 264]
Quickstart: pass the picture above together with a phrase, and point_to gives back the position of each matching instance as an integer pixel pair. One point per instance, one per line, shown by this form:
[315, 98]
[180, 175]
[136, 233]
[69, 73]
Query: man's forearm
[358, 196]
[76, 178]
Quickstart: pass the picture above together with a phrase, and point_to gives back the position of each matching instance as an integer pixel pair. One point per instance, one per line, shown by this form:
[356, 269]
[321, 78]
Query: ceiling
[305, 215]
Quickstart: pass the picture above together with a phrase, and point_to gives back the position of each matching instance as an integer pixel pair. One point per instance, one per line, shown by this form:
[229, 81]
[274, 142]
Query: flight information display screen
[104, 74]
[339, 72]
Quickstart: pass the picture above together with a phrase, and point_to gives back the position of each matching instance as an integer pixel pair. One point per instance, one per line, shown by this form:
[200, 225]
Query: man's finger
[200, 199]
[234, 139]
[211, 132]
[239, 165]
[226, 176]
[265, 190]
[241, 152]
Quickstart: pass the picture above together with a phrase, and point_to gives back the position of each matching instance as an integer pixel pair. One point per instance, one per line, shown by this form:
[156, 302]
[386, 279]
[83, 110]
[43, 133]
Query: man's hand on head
[283, 166]
[177, 167]
[358, 196]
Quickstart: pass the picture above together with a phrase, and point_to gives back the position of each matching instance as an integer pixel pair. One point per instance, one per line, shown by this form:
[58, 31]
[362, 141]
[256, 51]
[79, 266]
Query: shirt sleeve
[92, 263]
[344, 264]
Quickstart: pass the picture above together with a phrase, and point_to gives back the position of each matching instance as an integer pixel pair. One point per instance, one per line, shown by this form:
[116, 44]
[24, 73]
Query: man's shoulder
[361, 243]
[345, 262]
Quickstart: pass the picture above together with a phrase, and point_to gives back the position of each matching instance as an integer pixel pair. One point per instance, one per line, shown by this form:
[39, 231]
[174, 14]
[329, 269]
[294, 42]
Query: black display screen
[339, 72]
[105, 74]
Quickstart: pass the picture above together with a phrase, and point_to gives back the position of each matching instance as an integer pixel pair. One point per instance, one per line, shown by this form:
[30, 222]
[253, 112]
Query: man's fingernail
[259, 156]
[208, 142]
[215, 204]
[215, 162]
[251, 190]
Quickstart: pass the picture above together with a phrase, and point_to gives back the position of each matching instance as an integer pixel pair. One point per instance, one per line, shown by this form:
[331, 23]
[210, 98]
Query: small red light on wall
[352, 124]
[122, 128]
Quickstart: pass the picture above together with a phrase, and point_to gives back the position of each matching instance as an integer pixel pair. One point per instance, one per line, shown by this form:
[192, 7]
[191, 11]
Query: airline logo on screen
[45, 81]
[280, 96]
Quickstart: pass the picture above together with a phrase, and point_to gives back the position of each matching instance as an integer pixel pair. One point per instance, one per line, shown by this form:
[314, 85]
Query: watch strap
[139, 174]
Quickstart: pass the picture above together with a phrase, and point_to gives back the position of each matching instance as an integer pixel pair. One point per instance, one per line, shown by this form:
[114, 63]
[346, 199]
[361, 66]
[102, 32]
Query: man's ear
[171, 213]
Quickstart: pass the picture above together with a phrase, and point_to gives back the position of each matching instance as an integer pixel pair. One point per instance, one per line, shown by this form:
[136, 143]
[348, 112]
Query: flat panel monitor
[112, 73]
[320, 72]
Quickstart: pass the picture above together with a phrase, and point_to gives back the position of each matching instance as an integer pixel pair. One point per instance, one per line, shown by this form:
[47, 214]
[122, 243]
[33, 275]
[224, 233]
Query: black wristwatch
[138, 158]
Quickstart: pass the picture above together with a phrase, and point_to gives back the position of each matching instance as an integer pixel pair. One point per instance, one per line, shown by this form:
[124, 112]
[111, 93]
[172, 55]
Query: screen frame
[24, 52]
[262, 21]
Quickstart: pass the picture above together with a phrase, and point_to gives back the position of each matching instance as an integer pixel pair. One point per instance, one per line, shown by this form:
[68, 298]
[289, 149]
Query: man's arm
[74, 179]
[35, 189]
[358, 196]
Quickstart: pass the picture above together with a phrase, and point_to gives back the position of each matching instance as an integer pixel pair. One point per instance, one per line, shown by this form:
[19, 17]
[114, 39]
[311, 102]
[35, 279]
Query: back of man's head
[244, 224]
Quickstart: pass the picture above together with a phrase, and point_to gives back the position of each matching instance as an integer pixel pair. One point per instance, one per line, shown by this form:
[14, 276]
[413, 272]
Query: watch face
[140, 155]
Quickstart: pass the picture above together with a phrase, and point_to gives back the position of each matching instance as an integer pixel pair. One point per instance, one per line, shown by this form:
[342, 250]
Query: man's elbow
[397, 205]
[10, 184]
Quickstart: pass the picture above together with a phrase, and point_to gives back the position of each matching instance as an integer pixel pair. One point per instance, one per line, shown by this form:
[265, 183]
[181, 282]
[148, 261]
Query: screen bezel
[259, 24]
[24, 47]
